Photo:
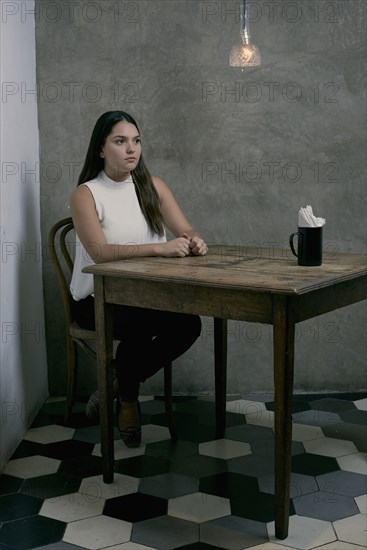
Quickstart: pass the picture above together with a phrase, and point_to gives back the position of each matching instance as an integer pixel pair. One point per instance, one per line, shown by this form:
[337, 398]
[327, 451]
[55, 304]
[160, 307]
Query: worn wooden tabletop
[257, 269]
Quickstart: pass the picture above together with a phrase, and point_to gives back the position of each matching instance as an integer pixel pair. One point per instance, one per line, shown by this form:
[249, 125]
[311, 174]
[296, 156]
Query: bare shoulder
[161, 187]
[158, 182]
[81, 195]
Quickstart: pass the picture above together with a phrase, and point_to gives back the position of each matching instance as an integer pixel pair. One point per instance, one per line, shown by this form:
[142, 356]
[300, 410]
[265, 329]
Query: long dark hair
[146, 192]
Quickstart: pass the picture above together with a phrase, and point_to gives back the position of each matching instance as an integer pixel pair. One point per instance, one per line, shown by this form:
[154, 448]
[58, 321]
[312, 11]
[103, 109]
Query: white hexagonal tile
[356, 462]
[361, 404]
[130, 545]
[55, 399]
[98, 532]
[49, 434]
[361, 502]
[261, 418]
[245, 407]
[224, 448]
[305, 533]
[143, 398]
[72, 507]
[329, 446]
[352, 529]
[271, 546]
[32, 466]
[150, 433]
[120, 450]
[94, 487]
[199, 507]
[302, 432]
[340, 545]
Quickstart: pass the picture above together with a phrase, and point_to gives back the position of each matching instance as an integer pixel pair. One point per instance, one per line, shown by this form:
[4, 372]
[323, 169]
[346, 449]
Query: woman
[120, 211]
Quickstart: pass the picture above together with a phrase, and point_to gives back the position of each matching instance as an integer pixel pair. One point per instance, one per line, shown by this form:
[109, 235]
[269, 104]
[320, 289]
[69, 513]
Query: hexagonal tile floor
[199, 493]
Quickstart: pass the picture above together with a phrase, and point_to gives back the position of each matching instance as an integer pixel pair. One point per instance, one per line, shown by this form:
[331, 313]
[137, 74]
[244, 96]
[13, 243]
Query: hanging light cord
[245, 34]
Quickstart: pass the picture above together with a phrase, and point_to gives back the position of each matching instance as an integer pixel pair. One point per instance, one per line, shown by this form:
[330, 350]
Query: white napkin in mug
[306, 218]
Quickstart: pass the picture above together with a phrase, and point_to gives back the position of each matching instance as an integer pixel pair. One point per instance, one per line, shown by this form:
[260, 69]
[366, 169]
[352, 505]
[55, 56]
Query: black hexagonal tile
[142, 466]
[197, 407]
[152, 408]
[249, 433]
[267, 448]
[17, 506]
[79, 420]
[135, 507]
[354, 417]
[27, 448]
[70, 448]
[325, 506]
[165, 532]
[57, 546]
[44, 419]
[88, 434]
[88, 467]
[234, 419]
[313, 464]
[251, 465]
[198, 466]
[9, 484]
[344, 483]
[157, 419]
[28, 533]
[51, 485]
[53, 413]
[171, 449]
[314, 417]
[197, 546]
[297, 406]
[328, 404]
[258, 397]
[349, 396]
[50, 413]
[193, 431]
[350, 432]
[233, 532]
[300, 484]
[257, 507]
[231, 419]
[168, 485]
[229, 485]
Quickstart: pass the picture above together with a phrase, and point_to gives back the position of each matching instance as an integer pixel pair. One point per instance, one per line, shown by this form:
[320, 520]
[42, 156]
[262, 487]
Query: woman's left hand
[197, 246]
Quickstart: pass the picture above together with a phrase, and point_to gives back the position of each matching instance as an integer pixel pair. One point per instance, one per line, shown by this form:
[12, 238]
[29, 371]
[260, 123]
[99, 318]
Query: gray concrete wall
[242, 150]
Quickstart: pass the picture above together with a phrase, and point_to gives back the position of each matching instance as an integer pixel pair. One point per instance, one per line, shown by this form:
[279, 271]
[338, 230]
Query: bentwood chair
[77, 337]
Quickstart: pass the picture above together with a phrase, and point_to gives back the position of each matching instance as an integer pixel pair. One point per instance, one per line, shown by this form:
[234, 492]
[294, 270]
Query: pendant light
[244, 53]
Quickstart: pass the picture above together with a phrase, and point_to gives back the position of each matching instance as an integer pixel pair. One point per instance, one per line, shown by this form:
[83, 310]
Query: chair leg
[168, 401]
[220, 361]
[72, 359]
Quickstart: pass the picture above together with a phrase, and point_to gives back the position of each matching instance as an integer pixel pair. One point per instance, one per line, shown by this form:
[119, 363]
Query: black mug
[309, 245]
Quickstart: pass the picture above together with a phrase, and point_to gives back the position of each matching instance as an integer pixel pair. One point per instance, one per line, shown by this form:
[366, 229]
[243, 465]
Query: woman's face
[121, 151]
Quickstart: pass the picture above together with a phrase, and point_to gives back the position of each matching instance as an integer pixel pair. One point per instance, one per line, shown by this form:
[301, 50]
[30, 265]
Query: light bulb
[244, 55]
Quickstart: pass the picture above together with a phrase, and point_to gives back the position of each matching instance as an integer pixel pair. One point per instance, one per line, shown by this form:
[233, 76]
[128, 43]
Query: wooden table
[260, 285]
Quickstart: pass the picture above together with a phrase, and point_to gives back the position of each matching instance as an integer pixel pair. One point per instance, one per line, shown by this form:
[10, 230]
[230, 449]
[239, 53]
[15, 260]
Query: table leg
[104, 345]
[220, 367]
[283, 322]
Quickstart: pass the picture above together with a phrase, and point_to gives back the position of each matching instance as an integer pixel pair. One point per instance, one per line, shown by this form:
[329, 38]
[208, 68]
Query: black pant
[149, 340]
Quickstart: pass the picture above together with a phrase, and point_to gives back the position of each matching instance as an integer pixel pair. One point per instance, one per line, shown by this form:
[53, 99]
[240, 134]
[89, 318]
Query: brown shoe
[92, 406]
[129, 422]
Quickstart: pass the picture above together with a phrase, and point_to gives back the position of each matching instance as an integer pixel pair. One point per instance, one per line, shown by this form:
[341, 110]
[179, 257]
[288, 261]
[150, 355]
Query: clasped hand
[185, 245]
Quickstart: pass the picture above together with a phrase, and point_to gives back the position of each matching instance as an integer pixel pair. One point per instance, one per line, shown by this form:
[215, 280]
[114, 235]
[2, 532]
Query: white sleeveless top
[122, 222]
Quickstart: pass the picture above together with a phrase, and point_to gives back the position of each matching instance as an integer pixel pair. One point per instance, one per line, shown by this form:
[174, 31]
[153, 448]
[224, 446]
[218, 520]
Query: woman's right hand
[176, 248]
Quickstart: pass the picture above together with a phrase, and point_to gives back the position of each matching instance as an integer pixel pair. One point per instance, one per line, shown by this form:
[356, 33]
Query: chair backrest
[62, 262]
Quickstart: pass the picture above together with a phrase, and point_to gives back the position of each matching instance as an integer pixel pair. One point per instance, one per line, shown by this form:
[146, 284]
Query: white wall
[23, 367]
